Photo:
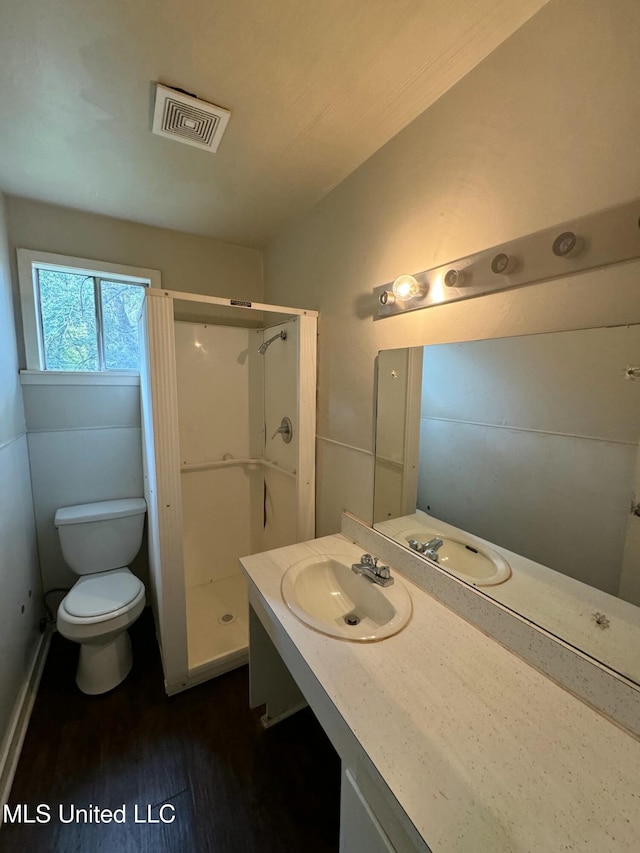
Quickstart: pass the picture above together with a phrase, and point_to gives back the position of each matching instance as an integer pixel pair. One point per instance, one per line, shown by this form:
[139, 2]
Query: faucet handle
[368, 560]
[416, 546]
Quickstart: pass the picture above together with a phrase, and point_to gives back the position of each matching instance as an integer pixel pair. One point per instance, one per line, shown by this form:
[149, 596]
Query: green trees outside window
[88, 323]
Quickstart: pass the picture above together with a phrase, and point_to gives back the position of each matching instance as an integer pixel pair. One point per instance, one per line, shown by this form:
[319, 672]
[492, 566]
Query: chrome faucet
[429, 549]
[369, 567]
[432, 547]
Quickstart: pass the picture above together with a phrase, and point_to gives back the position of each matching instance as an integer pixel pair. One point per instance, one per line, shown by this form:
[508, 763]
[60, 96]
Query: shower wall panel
[212, 367]
[280, 510]
[217, 419]
[216, 526]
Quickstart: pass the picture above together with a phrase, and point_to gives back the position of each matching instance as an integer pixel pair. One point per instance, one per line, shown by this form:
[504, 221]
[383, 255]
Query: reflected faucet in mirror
[429, 549]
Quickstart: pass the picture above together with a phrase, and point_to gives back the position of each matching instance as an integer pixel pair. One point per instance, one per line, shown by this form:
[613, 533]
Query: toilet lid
[96, 595]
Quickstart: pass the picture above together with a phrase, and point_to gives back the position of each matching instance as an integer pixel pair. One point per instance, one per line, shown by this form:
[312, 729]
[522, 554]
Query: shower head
[265, 346]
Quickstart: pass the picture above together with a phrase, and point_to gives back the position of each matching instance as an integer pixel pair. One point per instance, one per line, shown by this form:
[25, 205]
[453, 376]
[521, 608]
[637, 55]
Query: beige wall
[186, 262]
[544, 129]
[20, 600]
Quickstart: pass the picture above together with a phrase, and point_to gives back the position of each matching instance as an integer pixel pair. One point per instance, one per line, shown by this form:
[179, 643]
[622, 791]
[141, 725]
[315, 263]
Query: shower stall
[228, 401]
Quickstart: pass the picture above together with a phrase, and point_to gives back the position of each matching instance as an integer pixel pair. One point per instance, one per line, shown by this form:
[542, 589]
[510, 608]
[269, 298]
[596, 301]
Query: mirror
[513, 463]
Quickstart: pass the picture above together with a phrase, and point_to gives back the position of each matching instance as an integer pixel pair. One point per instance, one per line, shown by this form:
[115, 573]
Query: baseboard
[20, 719]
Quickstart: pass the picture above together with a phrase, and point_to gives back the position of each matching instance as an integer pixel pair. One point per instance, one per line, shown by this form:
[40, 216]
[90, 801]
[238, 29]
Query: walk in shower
[229, 432]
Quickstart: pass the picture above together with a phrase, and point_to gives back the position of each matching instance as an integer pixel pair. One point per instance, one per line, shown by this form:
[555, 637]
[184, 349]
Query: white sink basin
[464, 557]
[325, 594]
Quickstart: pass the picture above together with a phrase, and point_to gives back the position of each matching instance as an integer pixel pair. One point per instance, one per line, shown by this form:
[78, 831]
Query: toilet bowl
[97, 540]
[97, 613]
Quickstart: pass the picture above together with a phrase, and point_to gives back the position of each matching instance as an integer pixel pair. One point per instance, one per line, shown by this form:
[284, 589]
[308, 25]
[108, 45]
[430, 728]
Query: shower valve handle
[285, 430]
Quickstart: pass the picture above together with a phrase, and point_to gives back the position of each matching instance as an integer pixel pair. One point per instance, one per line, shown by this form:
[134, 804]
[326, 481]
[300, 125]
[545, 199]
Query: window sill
[62, 377]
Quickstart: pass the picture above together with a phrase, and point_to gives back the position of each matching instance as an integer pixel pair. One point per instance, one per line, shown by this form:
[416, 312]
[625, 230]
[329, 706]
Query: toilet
[98, 541]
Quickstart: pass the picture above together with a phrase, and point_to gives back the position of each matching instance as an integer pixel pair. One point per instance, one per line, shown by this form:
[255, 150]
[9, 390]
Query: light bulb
[406, 287]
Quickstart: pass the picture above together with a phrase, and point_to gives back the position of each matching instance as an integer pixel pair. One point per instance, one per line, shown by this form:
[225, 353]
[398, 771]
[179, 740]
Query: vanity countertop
[483, 753]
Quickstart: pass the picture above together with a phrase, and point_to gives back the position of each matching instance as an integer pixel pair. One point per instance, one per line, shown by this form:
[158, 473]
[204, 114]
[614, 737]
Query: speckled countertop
[483, 753]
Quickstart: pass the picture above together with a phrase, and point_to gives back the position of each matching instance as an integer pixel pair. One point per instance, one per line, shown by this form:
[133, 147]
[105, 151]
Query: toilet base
[102, 666]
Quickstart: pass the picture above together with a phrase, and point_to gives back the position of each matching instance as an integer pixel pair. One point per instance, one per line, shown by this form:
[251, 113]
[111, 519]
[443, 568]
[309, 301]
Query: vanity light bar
[597, 240]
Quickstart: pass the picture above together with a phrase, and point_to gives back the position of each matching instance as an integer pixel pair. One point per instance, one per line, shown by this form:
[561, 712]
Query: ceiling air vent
[186, 119]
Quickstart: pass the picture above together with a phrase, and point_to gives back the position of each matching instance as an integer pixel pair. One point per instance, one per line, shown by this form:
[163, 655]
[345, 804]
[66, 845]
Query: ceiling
[313, 88]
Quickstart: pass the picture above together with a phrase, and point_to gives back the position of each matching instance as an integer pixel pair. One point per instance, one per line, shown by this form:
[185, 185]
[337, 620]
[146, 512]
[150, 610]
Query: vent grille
[187, 119]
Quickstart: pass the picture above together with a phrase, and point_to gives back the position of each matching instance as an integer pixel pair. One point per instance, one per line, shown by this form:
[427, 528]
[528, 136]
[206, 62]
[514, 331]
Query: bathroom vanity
[449, 742]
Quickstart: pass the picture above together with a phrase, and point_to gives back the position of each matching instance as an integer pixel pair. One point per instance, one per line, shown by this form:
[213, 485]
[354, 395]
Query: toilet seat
[102, 596]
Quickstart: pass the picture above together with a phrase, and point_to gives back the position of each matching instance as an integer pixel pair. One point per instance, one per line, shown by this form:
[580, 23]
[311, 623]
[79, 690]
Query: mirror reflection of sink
[325, 594]
[463, 557]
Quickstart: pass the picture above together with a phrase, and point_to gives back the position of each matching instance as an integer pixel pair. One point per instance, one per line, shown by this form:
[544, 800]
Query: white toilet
[98, 541]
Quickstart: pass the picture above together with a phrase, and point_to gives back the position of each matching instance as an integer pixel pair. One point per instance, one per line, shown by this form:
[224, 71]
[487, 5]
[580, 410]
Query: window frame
[29, 262]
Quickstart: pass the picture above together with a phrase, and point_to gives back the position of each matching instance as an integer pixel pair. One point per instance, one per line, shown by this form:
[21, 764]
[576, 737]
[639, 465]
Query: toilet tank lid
[100, 511]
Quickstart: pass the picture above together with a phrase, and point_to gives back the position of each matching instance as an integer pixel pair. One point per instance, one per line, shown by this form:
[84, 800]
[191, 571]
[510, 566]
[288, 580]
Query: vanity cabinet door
[359, 827]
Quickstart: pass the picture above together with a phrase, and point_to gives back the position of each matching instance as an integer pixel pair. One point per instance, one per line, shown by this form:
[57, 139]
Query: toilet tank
[100, 536]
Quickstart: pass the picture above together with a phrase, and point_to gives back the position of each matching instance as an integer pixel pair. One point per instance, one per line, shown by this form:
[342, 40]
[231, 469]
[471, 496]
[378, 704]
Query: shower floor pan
[217, 626]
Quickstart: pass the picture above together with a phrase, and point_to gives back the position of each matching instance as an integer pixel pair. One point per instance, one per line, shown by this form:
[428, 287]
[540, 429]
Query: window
[86, 322]
[80, 319]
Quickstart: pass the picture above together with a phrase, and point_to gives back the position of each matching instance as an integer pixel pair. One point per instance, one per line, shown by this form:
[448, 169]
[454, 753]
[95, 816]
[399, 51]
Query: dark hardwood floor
[235, 787]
